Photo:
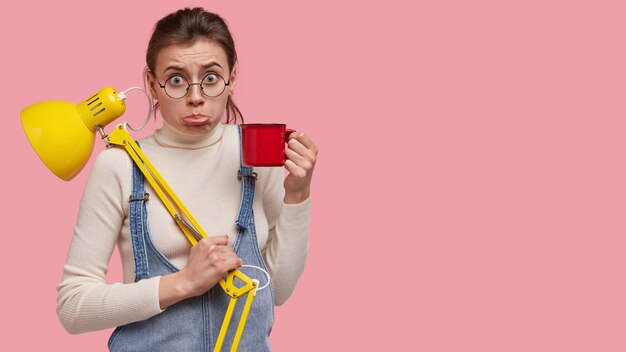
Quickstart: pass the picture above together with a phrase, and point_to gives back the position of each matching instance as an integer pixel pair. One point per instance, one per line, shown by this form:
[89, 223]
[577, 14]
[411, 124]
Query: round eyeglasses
[177, 87]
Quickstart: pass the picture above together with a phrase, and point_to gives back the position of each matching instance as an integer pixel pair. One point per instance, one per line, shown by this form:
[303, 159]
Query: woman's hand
[301, 155]
[208, 262]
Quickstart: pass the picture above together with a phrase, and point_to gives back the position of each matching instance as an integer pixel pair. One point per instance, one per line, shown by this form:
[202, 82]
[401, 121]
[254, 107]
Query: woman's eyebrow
[182, 68]
[174, 67]
[211, 64]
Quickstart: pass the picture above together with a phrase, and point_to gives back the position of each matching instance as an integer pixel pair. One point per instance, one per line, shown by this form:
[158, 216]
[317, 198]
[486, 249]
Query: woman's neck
[170, 137]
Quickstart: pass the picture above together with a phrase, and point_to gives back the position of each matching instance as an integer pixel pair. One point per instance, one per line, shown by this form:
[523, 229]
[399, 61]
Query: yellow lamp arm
[120, 137]
[250, 286]
[242, 321]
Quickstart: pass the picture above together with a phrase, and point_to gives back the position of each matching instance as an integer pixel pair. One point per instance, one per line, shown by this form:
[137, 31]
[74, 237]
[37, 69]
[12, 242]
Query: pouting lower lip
[196, 120]
[196, 116]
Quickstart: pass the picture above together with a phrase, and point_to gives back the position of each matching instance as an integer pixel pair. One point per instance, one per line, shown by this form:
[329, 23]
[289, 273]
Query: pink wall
[470, 191]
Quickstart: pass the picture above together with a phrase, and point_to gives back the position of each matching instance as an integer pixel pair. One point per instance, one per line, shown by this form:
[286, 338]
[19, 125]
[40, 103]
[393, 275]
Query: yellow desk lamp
[63, 136]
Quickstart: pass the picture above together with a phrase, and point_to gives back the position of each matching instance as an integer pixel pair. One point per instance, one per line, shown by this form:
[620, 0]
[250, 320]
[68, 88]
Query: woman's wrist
[173, 289]
[296, 197]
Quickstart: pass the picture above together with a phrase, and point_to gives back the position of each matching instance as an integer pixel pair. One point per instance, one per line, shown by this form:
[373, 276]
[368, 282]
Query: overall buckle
[240, 175]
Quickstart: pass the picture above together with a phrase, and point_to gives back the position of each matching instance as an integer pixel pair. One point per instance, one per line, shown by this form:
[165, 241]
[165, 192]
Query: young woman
[170, 299]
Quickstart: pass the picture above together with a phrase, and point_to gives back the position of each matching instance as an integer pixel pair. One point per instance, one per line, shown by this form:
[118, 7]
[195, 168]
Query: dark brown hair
[186, 26]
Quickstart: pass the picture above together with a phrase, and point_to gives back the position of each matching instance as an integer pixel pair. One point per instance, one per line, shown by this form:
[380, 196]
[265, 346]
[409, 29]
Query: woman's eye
[210, 78]
[176, 80]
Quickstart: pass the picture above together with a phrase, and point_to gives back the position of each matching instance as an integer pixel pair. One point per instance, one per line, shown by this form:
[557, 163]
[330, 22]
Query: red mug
[263, 144]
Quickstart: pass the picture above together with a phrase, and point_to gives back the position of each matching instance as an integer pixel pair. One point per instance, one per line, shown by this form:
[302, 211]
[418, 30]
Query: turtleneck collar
[169, 137]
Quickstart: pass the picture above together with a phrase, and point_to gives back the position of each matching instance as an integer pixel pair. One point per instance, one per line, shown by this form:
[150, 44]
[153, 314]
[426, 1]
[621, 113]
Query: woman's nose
[195, 96]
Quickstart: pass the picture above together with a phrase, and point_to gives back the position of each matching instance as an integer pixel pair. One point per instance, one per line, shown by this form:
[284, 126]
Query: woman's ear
[232, 81]
[151, 83]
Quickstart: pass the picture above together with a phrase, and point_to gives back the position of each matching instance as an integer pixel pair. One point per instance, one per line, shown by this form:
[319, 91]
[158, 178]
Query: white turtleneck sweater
[202, 171]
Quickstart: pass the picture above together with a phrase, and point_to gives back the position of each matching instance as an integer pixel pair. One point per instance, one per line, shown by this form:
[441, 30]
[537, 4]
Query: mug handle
[288, 131]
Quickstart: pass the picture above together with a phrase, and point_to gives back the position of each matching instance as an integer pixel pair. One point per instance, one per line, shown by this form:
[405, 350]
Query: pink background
[471, 187]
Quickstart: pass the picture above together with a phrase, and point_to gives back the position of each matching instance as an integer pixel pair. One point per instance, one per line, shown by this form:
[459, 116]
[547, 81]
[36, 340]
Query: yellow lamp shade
[63, 133]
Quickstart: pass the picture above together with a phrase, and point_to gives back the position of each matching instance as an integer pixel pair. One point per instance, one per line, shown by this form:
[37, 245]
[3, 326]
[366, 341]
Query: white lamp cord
[267, 275]
[122, 96]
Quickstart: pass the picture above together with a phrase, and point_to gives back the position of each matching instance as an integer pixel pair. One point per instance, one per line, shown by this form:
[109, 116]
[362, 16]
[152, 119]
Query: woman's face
[195, 113]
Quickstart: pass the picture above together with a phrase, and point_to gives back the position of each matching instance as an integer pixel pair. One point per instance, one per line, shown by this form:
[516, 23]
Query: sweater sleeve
[85, 302]
[288, 240]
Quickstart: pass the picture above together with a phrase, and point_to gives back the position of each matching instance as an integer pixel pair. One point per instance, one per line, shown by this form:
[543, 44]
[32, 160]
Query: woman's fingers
[294, 169]
[208, 262]
[232, 264]
[305, 151]
[304, 140]
[214, 240]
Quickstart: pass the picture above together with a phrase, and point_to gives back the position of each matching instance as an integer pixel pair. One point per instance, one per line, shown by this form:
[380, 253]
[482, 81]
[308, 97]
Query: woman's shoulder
[113, 154]
[112, 162]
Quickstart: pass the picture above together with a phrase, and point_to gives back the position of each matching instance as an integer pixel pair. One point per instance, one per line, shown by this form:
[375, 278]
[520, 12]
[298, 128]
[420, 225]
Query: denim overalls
[194, 324]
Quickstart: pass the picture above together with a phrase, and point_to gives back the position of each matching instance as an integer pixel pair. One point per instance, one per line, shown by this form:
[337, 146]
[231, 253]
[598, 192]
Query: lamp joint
[101, 130]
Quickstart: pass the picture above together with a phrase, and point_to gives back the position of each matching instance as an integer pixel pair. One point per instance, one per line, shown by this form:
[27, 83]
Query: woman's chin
[197, 128]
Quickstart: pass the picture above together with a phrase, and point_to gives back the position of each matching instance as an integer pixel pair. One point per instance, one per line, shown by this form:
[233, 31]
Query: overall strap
[138, 223]
[247, 178]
